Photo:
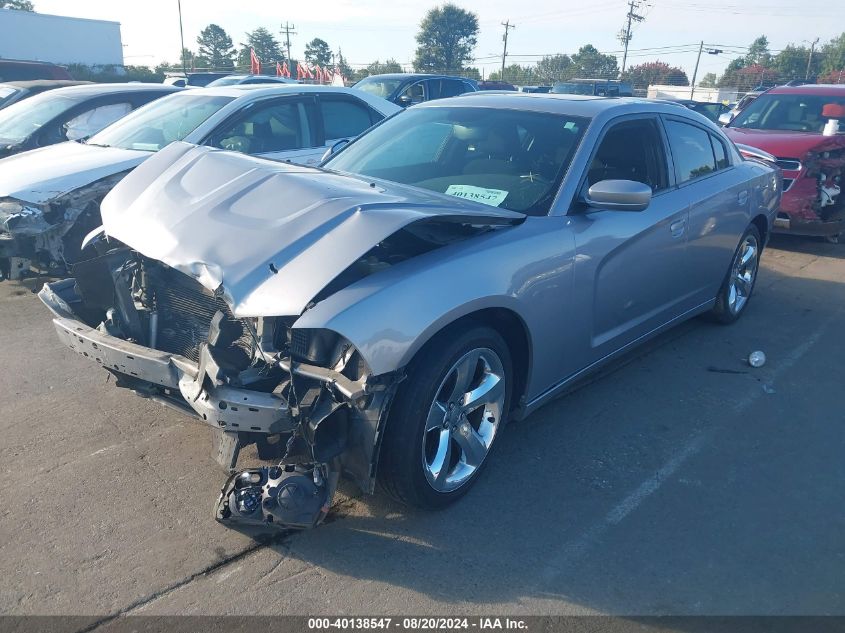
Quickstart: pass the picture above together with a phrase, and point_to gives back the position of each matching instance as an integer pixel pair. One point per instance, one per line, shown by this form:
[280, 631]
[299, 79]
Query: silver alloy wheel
[743, 273]
[463, 419]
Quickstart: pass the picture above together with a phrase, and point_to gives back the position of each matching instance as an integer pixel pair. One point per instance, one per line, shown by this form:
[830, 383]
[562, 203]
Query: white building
[59, 39]
[713, 95]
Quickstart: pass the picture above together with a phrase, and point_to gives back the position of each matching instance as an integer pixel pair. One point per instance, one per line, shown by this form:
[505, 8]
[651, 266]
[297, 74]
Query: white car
[49, 197]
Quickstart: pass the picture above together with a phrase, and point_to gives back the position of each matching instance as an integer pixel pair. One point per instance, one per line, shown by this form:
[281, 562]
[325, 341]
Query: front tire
[738, 285]
[447, 414]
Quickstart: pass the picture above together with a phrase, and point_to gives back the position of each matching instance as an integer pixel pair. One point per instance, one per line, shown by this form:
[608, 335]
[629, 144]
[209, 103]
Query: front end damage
[46, 237]
[812, 202]
[305, 399]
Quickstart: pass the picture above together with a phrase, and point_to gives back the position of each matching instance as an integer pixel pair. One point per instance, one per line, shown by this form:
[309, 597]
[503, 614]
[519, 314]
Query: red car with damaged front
[793, 123]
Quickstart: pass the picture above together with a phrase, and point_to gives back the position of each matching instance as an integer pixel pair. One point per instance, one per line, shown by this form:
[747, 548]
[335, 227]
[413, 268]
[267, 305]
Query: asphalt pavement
[681, 481]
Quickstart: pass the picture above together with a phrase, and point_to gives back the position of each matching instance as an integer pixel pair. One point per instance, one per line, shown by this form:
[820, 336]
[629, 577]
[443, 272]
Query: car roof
[46, 83]
[810, 89]
[261, 90]
[412, 76]
[94, 90]
[575, 105]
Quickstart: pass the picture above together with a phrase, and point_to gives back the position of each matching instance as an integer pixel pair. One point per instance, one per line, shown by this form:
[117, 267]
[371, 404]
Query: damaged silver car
[384, 316]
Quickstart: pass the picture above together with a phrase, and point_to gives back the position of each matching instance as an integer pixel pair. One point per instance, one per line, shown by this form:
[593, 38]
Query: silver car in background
[50, 197]
[385, 315]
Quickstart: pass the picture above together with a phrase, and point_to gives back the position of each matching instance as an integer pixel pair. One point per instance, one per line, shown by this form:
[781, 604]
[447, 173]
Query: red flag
[300, 70]
[318, 74]
[254, 63]
[278, 69]
[285, 70]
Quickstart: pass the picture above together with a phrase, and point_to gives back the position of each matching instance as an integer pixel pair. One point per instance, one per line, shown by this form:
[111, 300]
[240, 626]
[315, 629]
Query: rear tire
[445, 418]
[739, 282]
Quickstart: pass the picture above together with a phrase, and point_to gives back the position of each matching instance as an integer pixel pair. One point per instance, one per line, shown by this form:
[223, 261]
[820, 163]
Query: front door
[631, 266]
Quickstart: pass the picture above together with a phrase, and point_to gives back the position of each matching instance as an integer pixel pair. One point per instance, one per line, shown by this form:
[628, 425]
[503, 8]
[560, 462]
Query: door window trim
[577, 204]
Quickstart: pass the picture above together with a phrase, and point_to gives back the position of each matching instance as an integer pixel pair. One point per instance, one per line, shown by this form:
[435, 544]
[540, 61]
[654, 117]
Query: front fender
[390, 315]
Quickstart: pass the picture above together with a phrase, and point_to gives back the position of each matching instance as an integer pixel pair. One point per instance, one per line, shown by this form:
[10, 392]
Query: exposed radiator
[185, 311]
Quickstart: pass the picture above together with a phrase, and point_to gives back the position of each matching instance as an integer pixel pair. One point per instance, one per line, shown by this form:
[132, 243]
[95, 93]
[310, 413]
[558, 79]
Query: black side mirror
[405, 101]
[334, 149]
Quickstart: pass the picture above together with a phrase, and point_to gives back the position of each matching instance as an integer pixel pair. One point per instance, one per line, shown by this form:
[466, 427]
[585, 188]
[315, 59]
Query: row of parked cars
[373, 291]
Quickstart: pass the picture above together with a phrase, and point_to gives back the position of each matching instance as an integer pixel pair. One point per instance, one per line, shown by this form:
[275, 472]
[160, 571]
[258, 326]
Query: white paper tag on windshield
[493, 197]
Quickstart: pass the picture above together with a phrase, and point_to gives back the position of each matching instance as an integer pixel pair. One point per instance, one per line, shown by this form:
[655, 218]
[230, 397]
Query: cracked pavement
[680, 481]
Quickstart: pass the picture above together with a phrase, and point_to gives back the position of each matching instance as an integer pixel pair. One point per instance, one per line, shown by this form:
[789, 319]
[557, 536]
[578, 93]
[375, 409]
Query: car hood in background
[41, 175]
[268, 235]
[785, 144]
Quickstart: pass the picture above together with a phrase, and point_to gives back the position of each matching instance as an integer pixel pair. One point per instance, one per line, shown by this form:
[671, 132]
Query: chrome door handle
[677, 228]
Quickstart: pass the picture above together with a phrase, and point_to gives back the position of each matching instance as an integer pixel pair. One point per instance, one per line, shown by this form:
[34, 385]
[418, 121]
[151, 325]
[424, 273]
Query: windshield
[19, 120]
[503, 158]
[788, 112]
[378, 86]
[160, 123]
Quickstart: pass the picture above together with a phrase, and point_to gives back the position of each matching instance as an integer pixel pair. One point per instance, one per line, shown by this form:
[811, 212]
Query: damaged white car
[50, 197]
[384, 316]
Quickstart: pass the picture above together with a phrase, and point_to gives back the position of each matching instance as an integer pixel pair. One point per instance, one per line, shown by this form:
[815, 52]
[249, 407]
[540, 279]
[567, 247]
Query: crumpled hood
[41, 175]
[785, 144]
[269, 235]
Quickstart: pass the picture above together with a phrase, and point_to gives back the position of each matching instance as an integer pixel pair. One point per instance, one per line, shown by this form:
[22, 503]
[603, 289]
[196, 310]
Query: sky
[366, 30]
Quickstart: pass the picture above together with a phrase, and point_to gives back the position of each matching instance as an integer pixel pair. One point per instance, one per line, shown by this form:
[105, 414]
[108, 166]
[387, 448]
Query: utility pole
[288, 30]
[710, 51]
[632, 17]
[695, 72]
[810, 58]
[508, 26]
[182, 38]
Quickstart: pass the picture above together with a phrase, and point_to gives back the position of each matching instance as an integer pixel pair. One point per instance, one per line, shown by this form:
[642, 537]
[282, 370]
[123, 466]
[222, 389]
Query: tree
[708, 81]
[343, 65]
[318, 52]
[791, 63]
[17, 5]
[758, 52]
[446, 39]
[216, 46]
[655, 73]
[266, 48]
[590, 63]
[832, 55]
[514, 74]
[748, 77]
[554, 68]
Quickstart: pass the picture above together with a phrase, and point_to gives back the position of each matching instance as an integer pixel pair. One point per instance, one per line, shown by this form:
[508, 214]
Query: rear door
[631, 267]
[284, 128]
[718, 197]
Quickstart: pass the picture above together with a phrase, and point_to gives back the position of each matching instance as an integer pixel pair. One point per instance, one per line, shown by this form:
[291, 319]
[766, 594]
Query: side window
[691, 150]
[720, 153]
[276, 127]
[632, 150]
[91, 121]
[415, 93]
[452, 88]
[344, 118]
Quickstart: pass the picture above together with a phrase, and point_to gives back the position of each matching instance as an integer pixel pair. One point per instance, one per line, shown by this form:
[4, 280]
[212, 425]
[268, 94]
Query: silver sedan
[385, 315]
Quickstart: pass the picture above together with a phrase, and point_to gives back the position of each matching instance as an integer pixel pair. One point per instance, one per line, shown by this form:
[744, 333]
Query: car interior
[630, 151]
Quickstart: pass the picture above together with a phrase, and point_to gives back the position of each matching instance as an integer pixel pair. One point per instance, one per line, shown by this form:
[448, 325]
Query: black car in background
[711, 110]
[406, 89]
[72, 113]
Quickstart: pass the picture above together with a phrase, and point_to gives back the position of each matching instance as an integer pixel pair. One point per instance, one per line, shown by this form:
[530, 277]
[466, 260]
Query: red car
[789, 122]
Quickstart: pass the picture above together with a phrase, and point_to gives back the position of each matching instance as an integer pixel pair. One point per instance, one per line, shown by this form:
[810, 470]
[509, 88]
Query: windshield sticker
[493, 197]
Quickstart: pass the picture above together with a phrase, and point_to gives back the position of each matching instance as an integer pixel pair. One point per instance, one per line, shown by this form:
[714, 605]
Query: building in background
[713, 95]
[59, 39]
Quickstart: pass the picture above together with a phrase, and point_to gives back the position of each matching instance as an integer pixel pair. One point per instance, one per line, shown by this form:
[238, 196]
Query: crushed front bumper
[169, 378]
